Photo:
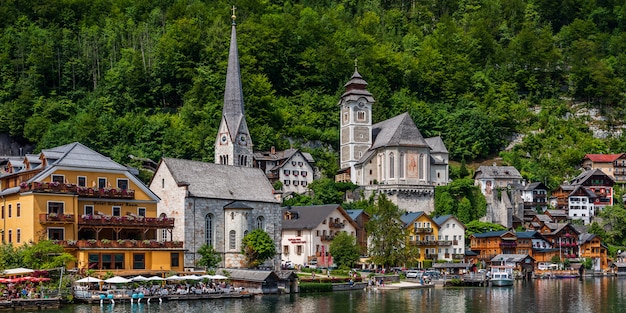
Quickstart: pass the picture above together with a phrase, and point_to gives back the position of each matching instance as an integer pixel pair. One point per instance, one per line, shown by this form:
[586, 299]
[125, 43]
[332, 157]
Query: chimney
[273, 150]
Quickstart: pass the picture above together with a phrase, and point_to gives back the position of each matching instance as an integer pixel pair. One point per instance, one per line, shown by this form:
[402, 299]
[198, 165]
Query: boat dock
[30, 304]
[471, 279]
[103, 298]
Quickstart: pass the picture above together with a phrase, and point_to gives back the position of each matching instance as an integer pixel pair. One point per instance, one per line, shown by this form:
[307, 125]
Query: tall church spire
[233, 145]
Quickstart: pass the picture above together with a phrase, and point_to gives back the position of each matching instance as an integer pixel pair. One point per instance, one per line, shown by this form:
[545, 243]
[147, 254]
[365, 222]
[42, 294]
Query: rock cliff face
[502, 206]
[10, 147]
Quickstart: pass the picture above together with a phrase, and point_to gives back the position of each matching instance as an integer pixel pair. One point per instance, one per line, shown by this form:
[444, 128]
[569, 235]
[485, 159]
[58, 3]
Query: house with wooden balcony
[564, 237]
[451, 238]
[535, 196]
[307, 232]
[489, 244]
[423, 234]
[591, 247]
[96, 208]
[613, 165]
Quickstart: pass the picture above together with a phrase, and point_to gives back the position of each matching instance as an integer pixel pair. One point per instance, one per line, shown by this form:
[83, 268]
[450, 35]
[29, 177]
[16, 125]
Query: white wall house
[308, 231]
[451, 238]
[581, 205]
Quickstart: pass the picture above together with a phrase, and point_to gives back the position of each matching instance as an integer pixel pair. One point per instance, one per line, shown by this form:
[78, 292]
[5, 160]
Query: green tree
[344, 250]
[476, 227]
[45, 254]
[257, 246]
[387, 233]
[208, 256]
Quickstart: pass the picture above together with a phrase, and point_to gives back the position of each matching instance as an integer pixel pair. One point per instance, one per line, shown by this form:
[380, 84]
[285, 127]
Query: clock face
[361, 104]
[242, 139]
[223, 139]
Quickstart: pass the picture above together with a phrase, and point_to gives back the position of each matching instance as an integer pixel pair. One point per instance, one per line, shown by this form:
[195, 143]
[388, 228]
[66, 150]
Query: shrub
[315, 287]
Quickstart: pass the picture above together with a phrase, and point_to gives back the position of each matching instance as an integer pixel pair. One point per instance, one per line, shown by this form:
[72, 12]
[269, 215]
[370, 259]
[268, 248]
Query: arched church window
[232, 240]
[401, 167]
[208, 224]
[260, 222]
[391, 165]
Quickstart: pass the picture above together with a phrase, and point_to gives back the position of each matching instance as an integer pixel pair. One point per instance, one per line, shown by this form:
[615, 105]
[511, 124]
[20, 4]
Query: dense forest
[146, 77]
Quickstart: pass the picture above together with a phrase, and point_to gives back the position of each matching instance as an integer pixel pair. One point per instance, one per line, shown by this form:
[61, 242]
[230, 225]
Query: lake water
[558, 295]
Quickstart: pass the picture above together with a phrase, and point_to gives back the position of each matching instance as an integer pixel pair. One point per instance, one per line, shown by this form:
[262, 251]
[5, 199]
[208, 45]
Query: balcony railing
[431, 256]
[327, 238]
[336, 225]
[423, 230]
[117, 244]
[444, 243]
[507, 244]
[54, 218]
[55, 187]
[129, 221]
[458, 256]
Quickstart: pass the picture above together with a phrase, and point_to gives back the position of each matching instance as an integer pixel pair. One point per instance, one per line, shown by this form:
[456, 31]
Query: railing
[106, 220]
[423, 242]
[423, 230]
[122, 243]
[327, 238]
[336, 225]
[56, 218]
[431, 256]
[458, 256]
[55, 187]
[508, 244]
[444, 243]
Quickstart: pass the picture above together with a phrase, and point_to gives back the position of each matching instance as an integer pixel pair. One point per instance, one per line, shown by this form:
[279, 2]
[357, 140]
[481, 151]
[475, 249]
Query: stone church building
[390, 157]
[218, 204]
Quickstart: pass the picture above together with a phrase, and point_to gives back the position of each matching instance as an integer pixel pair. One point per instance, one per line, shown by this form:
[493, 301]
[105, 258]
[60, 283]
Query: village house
[361, 218]
[423, 235]
[294, 169]
[390, 157]
[591, 247]
[450, 229]
[308, 230]
[613, 165]
[535, 196]
[94, 207]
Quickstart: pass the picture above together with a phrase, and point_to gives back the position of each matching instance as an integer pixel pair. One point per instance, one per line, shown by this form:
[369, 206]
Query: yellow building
[96, 208]
[423, 236]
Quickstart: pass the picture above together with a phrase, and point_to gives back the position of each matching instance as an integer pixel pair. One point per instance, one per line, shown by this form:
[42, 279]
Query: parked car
[312, 264]
[413, 274]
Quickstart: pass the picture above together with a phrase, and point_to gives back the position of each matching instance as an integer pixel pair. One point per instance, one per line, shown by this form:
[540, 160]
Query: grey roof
[233, 111]
[282, 155]
[586, 237]
[436, 145]
[588, 193]
[509, 258]
[496, 233]
[557, 213]
[527, 234]
[397, 131]
[544, 218]
[77, 155]
[252, 275]
[218, 181]
[356, 88]
[442, 219]
[409, 217]
[586, 175]
[536, 186]
[497, 172]
[309, 217]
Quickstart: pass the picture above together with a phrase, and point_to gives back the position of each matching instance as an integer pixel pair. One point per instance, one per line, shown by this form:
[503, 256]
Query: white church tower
[356, 122]
[233, 145]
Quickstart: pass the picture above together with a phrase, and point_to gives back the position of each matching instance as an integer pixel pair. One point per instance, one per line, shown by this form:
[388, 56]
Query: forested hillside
[146, 77]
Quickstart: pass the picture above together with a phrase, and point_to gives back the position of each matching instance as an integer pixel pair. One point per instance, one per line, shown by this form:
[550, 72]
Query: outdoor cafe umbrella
[117, 280]
[191, 277]
[139, 278]
[173, 277]
[155, 278]
[89, 279]
[219, 277]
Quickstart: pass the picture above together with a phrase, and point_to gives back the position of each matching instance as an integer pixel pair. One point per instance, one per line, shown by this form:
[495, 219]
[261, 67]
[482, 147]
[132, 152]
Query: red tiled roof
[603, 158]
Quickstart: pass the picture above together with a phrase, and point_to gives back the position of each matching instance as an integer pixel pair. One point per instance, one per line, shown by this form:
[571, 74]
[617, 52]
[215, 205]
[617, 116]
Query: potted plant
[105, 242]
[53, 216]
[92, 242]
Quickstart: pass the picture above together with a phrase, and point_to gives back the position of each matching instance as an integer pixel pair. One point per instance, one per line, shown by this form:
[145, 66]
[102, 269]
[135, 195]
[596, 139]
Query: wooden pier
[30, 304]
[472, 279]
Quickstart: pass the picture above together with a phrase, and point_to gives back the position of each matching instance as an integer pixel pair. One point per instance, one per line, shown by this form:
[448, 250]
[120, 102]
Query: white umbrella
[155, 278]
[220, 277]
[207, 276]
[191, 277]
[174, 277]
[117, 280]
[139, 278]
[17, 271]
[88, 279]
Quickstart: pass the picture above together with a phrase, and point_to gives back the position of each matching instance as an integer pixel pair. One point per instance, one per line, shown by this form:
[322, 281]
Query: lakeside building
[94, 207]
[307, 232]
[613, 165]
[450, 229]
[390, 157]
[423, 235]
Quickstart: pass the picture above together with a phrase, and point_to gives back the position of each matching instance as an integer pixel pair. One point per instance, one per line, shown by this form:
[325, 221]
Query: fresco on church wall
[412, 165]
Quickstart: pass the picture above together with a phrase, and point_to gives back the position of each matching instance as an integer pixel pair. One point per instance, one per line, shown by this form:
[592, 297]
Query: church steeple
[233, 145]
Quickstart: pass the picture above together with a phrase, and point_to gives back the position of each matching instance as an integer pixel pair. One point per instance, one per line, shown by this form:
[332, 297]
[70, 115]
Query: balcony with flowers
[56, 218]
[119, 244]
[56, 187]
[127, 221]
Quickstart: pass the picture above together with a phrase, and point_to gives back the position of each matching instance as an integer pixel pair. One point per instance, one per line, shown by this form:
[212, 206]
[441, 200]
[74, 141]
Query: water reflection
[565, 295]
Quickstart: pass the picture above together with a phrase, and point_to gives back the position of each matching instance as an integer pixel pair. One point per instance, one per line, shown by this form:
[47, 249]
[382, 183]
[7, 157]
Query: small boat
[501, 276]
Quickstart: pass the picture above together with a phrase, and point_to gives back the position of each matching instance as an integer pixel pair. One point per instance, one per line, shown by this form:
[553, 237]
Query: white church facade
[390, 157]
